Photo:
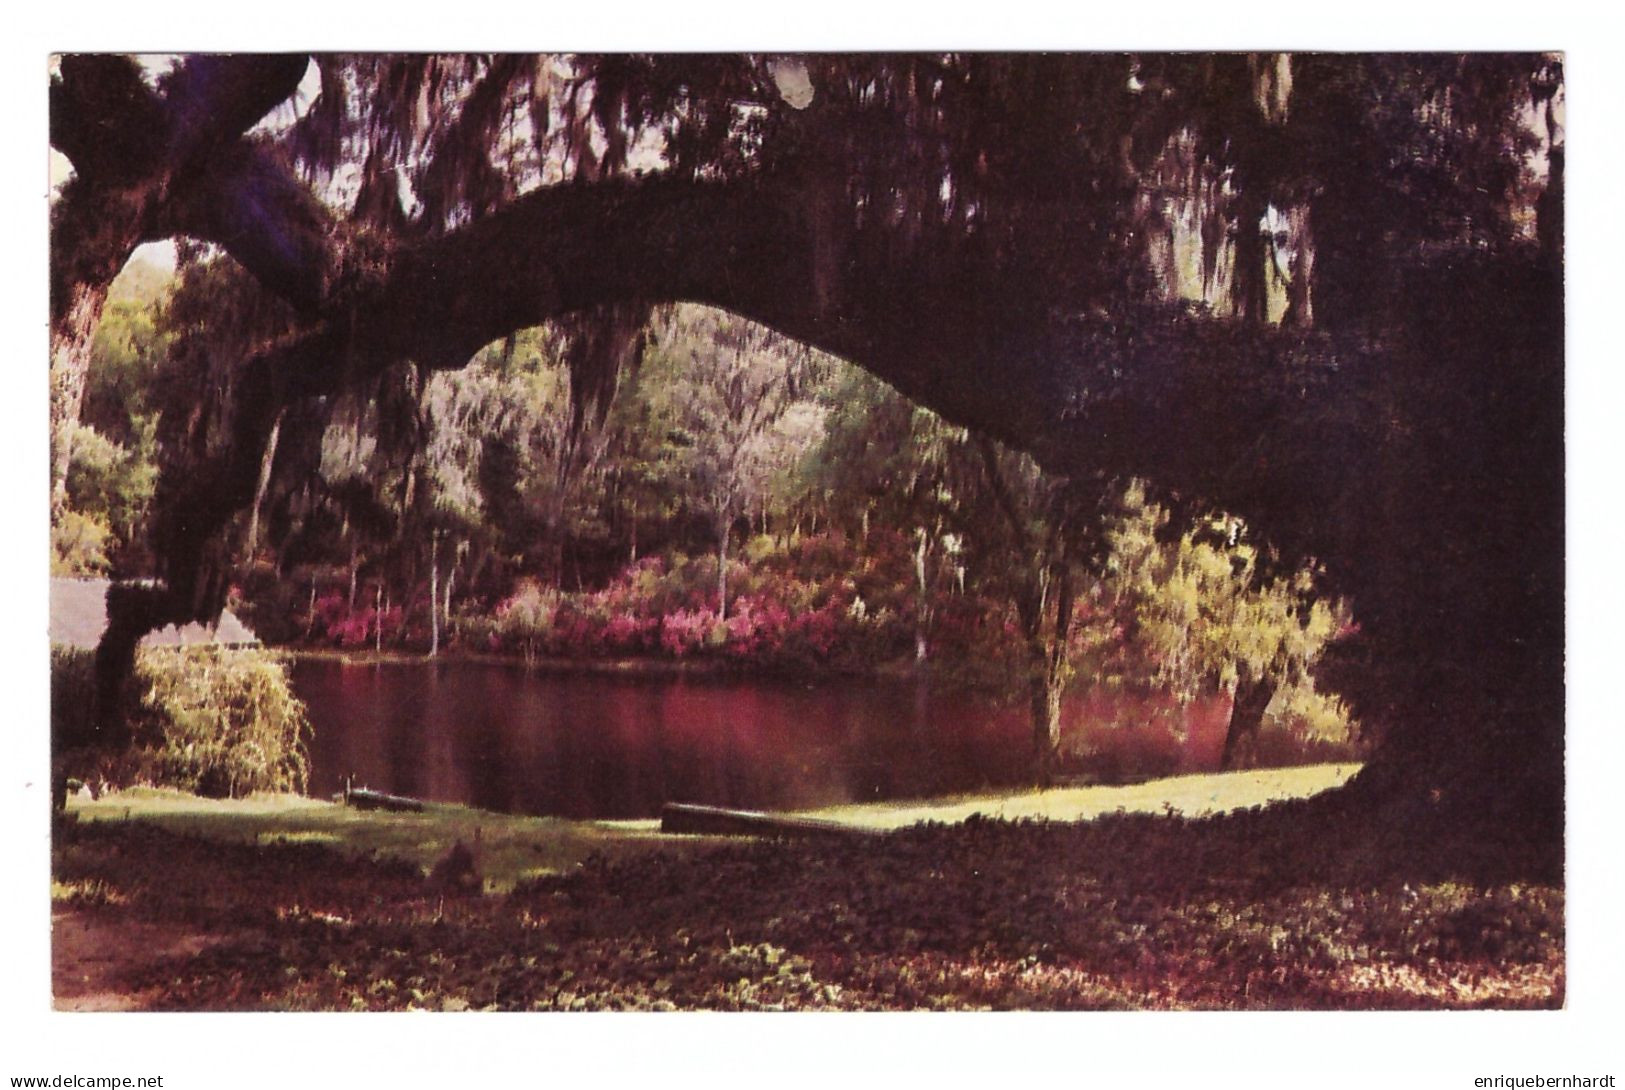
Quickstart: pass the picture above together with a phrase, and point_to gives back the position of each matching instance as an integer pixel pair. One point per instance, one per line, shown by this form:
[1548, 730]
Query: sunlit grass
[512, 847]
[515, 847]
[84, 892]
[1191, 796]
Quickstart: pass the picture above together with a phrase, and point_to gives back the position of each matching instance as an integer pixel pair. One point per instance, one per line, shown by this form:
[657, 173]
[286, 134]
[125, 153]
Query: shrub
[362, 626]
[685, 631]
[475, 630]
[73, 680]
[217, 721]
[525, 620]
[1311, 716]
[79, 545]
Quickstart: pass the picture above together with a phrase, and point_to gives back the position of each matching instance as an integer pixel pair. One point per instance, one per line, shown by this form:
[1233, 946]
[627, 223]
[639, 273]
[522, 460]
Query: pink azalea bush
[822, 602]
[333, 618]
[792, 608]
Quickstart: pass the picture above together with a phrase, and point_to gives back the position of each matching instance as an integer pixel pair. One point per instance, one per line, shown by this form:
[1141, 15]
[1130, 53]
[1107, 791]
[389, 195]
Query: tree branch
[135, 152]
[1183, 400]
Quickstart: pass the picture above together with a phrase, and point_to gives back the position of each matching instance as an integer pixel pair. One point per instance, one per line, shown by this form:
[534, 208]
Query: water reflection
[612, 746]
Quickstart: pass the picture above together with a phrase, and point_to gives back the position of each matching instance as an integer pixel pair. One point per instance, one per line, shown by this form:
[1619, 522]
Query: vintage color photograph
[840, 531]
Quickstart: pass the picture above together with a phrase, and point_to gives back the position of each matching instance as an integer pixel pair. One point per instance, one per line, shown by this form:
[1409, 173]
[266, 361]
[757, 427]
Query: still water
[604, 745]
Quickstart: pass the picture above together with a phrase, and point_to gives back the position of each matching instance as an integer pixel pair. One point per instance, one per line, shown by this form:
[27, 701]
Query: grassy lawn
[514, 848]
[1190, 796]
[164, 901]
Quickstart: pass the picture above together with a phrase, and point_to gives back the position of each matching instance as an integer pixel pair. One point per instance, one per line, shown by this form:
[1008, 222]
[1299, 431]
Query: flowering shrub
[333, 618]
[625, 634]
[793, 607]
[818, 629]
[818, 603]
[686, 631]
[329, 610]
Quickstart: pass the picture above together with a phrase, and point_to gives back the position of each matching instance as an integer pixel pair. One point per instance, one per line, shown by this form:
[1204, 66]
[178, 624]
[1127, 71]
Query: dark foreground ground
[1298, 906]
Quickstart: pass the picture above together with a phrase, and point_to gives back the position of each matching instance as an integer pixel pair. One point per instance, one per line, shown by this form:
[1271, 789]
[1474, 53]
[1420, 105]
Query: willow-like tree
[1212, 612]
[1073, 253]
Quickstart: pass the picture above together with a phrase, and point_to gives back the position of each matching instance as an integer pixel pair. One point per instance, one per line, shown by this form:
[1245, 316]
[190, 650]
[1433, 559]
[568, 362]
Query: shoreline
[635, 665]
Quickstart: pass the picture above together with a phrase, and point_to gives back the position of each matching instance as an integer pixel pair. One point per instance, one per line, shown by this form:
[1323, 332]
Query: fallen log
[682, 817]
[366, 799]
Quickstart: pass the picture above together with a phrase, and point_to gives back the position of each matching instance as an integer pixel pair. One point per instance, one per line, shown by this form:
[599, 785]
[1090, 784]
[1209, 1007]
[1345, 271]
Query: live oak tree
[1323, 292]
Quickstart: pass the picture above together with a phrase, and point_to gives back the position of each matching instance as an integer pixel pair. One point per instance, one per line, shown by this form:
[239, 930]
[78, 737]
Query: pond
[613, 745]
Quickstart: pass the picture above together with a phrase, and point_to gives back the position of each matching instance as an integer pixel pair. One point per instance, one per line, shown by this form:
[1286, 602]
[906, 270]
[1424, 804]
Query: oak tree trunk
[1046, 723]
[1252, 698]
[71, 344]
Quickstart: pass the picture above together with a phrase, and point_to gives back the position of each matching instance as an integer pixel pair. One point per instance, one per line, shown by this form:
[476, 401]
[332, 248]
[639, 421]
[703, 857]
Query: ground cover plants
[1304, 904]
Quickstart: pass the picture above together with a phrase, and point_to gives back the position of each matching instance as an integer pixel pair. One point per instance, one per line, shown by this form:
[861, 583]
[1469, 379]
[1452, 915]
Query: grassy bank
[512, 847]
[515, 847]
[1189, 796]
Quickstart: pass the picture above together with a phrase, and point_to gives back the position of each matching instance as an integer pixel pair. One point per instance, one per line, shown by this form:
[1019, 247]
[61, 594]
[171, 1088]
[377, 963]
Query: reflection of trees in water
[593, 746]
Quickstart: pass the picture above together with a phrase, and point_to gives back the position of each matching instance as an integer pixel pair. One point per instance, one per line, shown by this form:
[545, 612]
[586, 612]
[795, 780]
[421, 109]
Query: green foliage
[500, 442]
[729, 389]
[79, 545]
[1206, 617]
[73, 679]
[211, 720]
[130, 347]
[217, 721]
[1096, 586]
[526, 619]
[1304, 712]
[112, 483]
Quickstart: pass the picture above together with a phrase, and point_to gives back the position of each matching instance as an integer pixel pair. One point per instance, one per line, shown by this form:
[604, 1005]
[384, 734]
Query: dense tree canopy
[1323, 292]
